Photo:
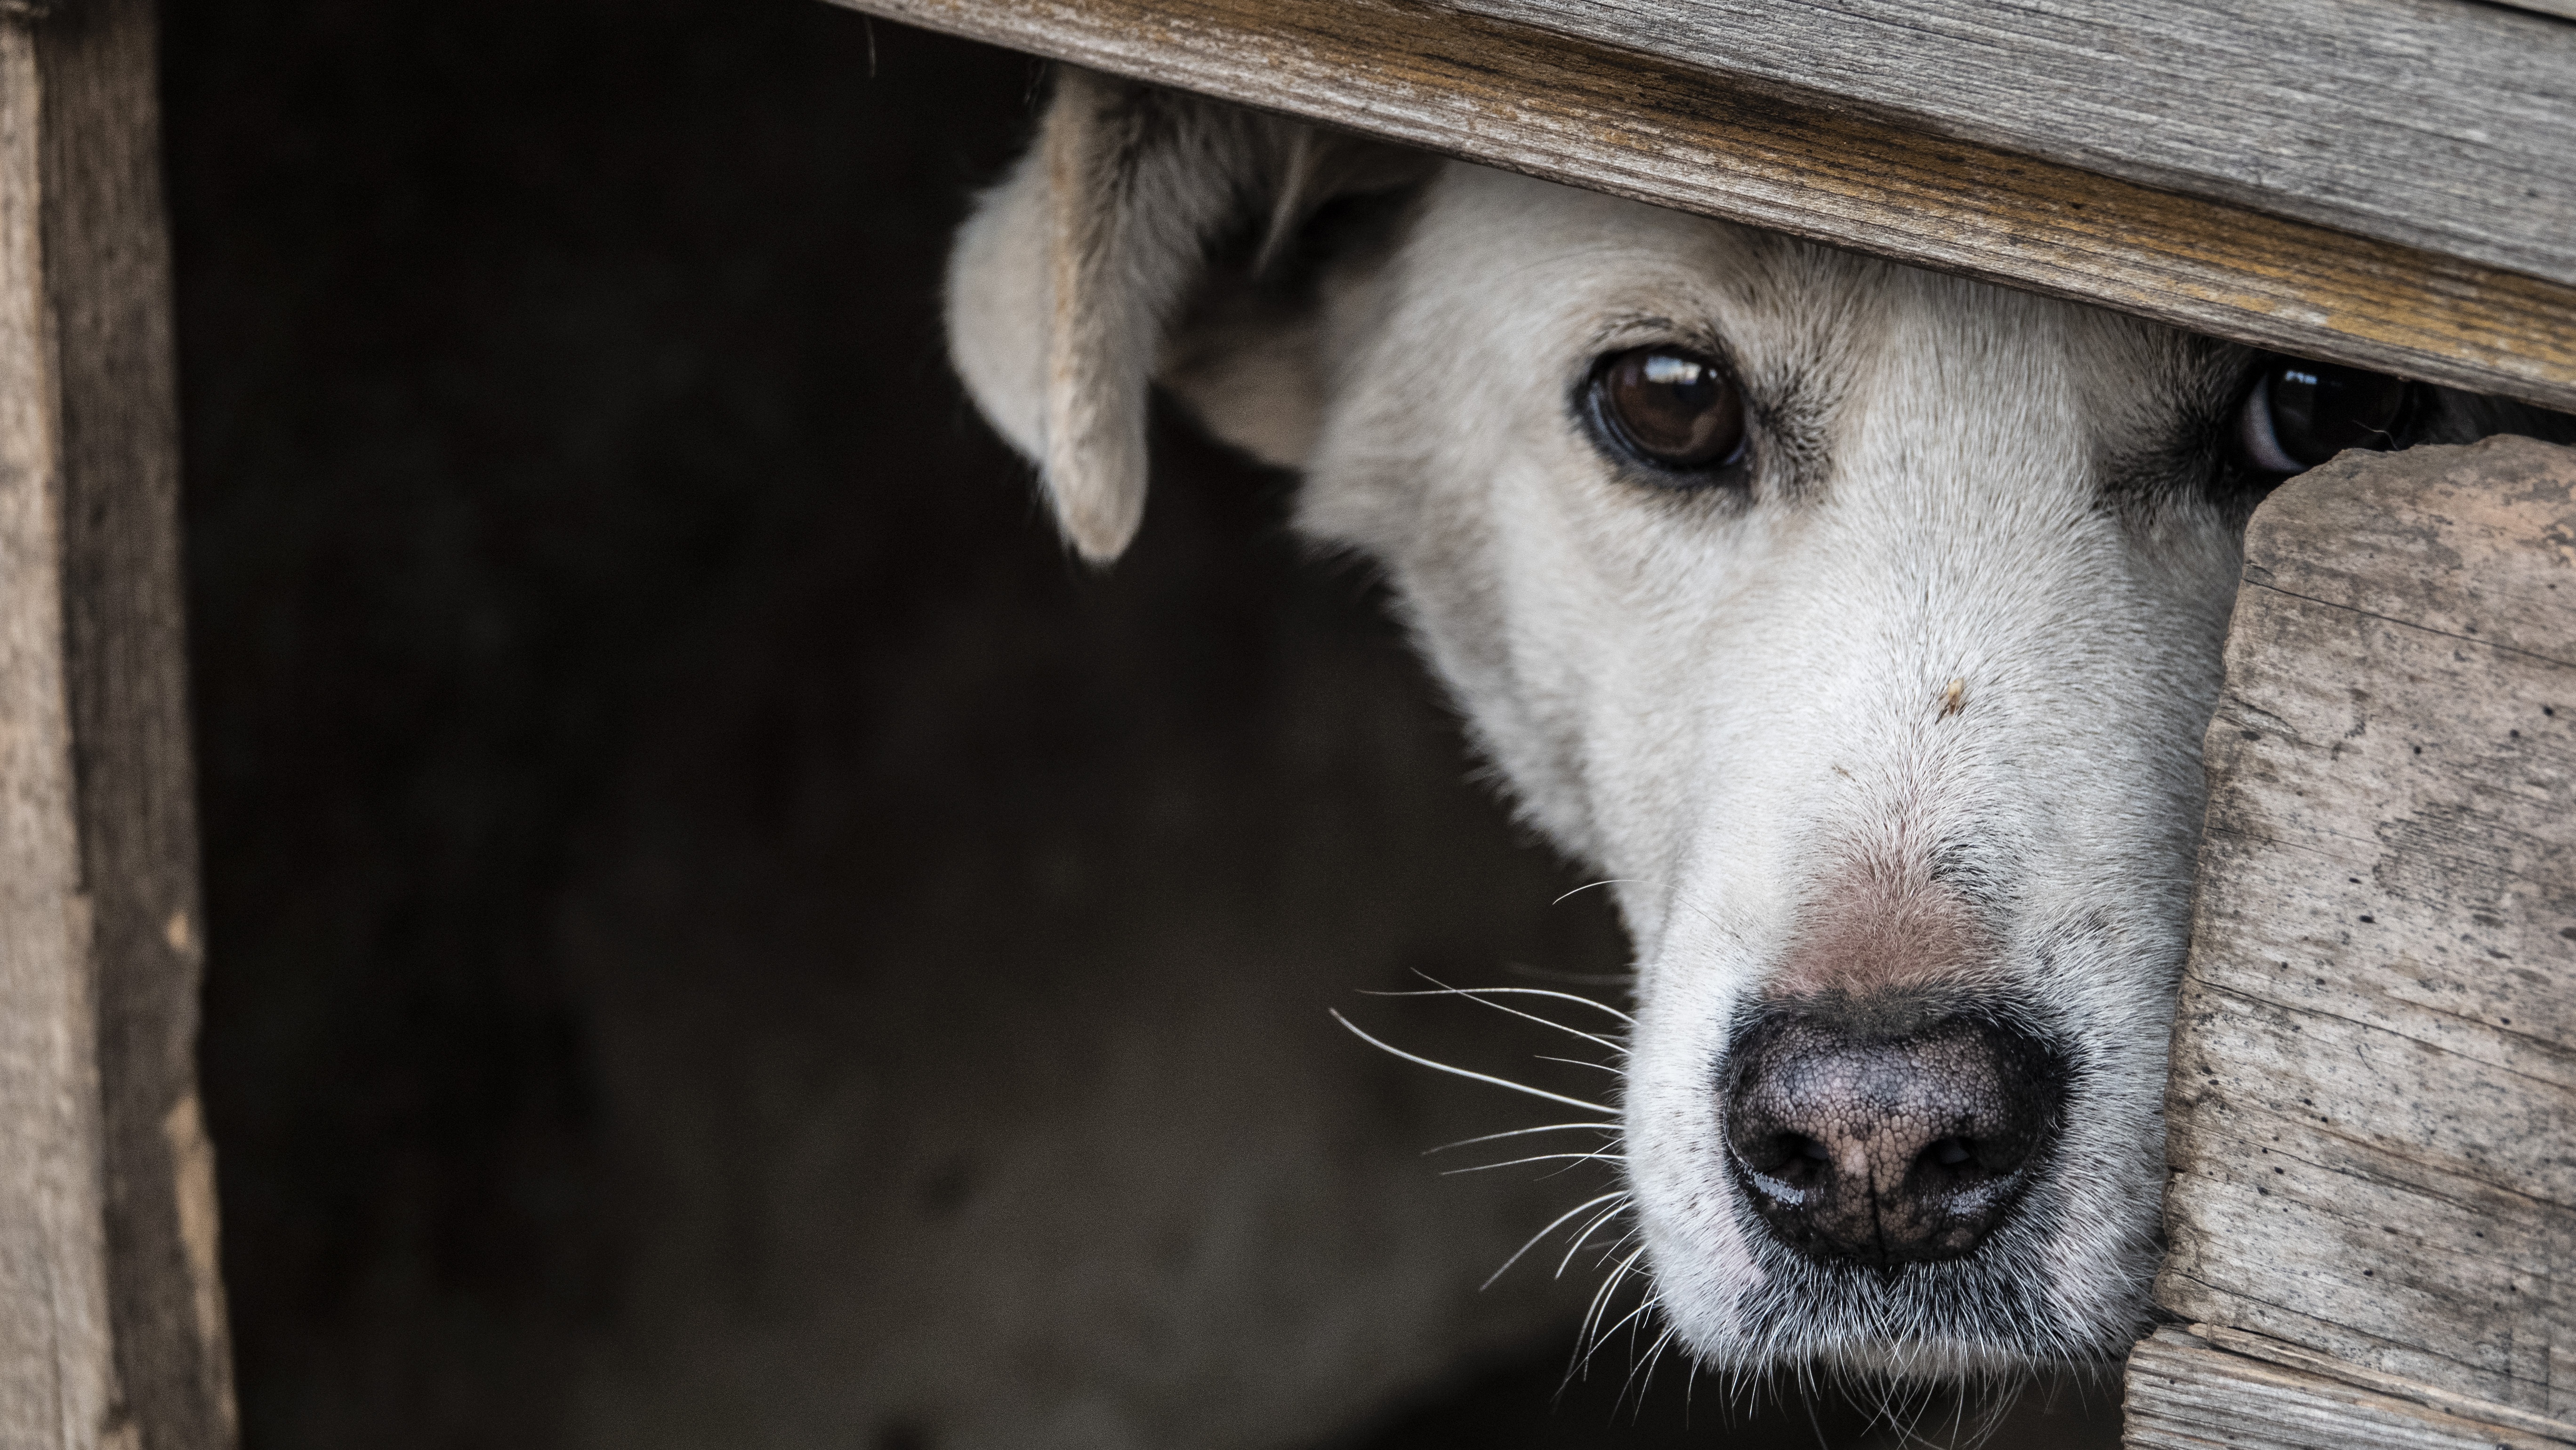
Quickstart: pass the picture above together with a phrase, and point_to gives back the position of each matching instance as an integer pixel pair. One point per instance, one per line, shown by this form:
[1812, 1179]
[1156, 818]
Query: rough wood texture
[2373, 1110]
[1614, 120]
[2186, 1394]
[57, 1377]
[2441, 124]
[111, 1309]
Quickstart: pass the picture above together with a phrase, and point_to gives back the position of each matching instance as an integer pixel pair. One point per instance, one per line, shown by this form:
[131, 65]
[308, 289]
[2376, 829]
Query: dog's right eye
[1671, 410]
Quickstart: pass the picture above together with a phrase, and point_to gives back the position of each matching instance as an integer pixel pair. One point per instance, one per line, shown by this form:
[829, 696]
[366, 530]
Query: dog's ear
[1094, 265]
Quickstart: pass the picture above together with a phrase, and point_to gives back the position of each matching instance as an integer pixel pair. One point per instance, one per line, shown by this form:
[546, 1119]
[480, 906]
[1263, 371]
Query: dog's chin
[1997, 1315]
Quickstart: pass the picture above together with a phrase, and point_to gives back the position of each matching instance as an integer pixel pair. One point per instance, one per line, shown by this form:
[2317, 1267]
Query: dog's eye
[1670, 409]
[2299, 414]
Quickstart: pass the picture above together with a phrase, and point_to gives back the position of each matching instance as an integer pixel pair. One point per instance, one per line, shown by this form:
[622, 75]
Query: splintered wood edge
[2250, 1381]
[1633, 125]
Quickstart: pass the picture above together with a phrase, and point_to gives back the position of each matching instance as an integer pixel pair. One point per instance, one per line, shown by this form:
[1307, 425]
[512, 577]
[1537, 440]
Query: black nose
[1887, 1135]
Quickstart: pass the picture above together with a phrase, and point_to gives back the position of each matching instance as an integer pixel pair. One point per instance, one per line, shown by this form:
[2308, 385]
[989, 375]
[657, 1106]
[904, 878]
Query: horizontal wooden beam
[2441, 124]
[1512, 95]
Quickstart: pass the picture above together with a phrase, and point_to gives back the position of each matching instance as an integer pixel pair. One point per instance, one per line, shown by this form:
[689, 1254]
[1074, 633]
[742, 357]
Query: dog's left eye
[2299, 414]
[1672, 410]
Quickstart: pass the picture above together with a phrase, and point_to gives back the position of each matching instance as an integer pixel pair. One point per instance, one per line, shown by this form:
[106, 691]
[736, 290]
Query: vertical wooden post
[112, 1326]
[2372, 1213]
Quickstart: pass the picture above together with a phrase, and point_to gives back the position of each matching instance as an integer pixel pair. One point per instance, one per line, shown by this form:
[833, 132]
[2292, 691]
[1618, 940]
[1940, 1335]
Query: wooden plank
[1592, 115]
[2373, 1104]
[111, 1308]
[2185, 1393]
[2275, 1352]
[57, 1369]
[2440, 124]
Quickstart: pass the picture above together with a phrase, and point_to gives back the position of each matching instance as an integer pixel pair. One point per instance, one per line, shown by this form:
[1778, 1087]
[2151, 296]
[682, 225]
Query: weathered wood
[2440, 124]
[2290, 1356]
[1615, 120]
[111, 1308]
[2373, 1104]
[2185, 1393]
[57, 1372]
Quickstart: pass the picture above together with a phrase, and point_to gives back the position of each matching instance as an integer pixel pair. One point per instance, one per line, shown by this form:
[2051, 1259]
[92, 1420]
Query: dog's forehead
[1581, 263]
[1579, 272]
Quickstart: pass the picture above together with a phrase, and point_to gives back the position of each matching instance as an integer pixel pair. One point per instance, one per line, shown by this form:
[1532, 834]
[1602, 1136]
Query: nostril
[1959, 1162]
[1795, 1160]
[1789, 1156]
[1966, 1159]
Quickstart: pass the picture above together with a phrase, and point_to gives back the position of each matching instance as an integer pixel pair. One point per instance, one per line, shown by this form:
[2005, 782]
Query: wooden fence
[2370, 1213]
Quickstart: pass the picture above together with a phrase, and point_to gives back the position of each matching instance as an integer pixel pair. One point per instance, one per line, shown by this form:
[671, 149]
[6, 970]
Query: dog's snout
[1887, 1137]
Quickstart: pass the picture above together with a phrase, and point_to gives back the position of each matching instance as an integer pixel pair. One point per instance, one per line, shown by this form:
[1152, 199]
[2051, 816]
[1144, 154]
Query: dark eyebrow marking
[1791, 408]
[2181, 461]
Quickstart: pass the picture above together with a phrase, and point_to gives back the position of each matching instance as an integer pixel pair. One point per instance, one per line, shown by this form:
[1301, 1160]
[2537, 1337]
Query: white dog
[1860, 623]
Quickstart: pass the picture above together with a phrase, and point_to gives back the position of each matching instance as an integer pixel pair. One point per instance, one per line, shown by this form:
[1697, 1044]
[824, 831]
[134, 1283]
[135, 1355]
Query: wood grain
[1613, 120]
[2185, 1393]
[2373, 1104]
[2440, 124]
[112, 1326]
[57, 1366]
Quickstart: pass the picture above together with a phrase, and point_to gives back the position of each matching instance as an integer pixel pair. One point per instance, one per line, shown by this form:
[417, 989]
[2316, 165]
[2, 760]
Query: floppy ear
[1069, 281]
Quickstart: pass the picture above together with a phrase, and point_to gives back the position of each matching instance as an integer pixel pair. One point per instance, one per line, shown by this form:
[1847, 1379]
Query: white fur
[1712, 705]
[1717, 700]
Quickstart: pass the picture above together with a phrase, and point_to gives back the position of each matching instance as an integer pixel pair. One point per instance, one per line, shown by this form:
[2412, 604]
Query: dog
[1858, 624]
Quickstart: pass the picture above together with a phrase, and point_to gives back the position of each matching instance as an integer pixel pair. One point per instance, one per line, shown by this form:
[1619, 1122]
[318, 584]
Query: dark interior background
[632, 689]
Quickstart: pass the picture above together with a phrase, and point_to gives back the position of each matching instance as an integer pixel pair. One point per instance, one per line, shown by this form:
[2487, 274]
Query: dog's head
[1861, 623]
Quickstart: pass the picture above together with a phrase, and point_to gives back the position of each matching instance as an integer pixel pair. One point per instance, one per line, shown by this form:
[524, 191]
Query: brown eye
[1669, 409]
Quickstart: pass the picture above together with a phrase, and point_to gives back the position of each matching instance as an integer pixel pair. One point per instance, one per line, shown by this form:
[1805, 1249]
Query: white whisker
[1572, 979]
[1602, 1156]
[1478, 995]
[1601, 1298]
[1612, 1128]
[1588, 1230]
[1487, 1078]
[1534, 1239]
[1641, 1375]
[1625, 1320]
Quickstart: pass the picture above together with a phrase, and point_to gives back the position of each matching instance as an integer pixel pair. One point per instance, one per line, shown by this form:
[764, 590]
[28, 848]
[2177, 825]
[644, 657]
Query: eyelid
[1646, 330]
